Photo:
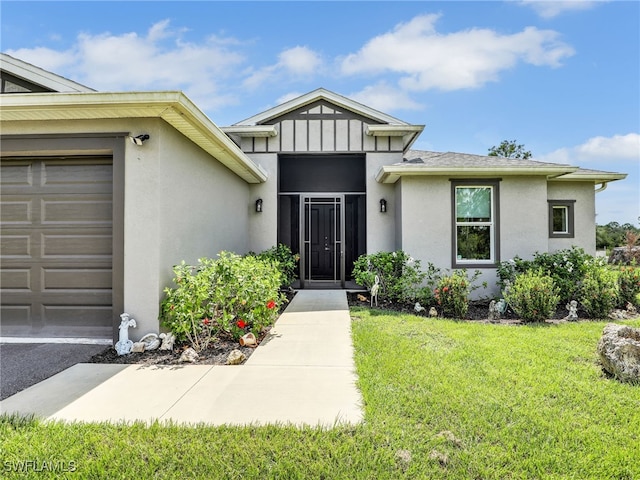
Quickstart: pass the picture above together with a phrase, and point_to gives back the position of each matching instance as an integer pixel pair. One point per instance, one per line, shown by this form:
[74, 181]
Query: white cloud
[297, 62]
[158, 60]
[599, 149]
[552, 8]
[426, 59]
[385, 98]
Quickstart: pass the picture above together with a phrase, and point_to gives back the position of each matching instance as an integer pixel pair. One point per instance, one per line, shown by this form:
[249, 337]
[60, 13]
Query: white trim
[319, 94]
[173, 107]
[392, 173]
[39, 76]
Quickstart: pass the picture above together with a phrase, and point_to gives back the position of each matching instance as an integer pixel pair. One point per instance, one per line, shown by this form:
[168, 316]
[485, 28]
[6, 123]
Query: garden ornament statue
[433, 313]
[168, 339]
[418, 308]
[374, 291]
[572, 306]
[124, 345]
[494, 312]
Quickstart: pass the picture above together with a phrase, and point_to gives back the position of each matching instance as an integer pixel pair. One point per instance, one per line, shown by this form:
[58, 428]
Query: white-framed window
[561, 223]
[475, 223]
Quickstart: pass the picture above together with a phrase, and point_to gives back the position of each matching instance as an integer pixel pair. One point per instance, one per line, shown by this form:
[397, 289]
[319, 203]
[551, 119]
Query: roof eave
[171, 106]
[599, 177]
[392, 173]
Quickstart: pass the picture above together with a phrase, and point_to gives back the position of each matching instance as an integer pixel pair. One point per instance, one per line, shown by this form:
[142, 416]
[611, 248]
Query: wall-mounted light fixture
[140, 139]
[259, 205]
[383, 205]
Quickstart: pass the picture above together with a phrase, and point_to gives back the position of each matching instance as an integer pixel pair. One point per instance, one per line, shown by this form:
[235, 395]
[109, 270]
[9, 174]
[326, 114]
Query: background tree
[614, 235]
[509, 149]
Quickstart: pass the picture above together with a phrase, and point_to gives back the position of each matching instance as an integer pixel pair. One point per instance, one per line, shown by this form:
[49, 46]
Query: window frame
[494, 224]
[569, 205]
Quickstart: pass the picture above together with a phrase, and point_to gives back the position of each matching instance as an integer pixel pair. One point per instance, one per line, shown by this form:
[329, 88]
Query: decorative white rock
[236, 357]
[619, 350]
[125, 345]
[138, 347]
[189, 355]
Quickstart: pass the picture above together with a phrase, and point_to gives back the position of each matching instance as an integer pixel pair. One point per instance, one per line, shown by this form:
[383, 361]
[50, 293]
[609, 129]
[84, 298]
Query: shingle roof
[423, 162]
[454, 159]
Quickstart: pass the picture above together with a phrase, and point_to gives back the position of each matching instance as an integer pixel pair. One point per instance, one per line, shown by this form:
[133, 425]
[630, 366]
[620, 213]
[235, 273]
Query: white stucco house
[102, 193]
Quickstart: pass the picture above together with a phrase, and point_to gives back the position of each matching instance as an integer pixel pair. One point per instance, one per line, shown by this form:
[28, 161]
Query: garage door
[56, 252]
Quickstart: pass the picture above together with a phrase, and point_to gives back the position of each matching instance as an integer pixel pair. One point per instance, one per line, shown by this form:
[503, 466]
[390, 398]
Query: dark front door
[323, 242]
[323, 246]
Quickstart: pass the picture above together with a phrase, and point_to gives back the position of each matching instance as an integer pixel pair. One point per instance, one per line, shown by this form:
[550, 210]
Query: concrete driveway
[25, 364]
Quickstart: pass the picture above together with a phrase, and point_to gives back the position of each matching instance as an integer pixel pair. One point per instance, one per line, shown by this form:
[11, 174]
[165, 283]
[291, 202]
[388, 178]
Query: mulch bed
[216, 354]
[478, 310]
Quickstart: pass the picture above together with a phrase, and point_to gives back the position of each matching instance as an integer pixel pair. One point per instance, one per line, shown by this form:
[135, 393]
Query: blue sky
[562, 78]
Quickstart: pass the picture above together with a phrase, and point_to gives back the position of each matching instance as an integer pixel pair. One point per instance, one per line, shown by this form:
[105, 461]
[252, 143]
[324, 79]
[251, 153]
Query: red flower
[241, 323]
[206, 321]
[445, 289]
[271, 304]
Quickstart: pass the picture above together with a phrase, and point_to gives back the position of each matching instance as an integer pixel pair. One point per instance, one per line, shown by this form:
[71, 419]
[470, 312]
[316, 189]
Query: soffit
[173, 107]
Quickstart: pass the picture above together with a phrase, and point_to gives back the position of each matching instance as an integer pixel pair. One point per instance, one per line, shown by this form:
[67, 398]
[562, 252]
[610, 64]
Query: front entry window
[475, 224]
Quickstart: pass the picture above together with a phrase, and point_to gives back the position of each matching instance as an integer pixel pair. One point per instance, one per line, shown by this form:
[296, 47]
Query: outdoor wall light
[140, 139]
[259, 205]
[383, 205]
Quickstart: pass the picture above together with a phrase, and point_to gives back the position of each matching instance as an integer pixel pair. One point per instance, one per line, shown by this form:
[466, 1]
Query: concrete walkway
[303, 373]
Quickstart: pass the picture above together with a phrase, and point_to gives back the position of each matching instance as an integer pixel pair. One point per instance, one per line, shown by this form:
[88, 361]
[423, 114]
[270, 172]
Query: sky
[561, 78]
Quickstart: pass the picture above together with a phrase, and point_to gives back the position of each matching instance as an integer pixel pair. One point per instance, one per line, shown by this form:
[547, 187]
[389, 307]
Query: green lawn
[443, 399]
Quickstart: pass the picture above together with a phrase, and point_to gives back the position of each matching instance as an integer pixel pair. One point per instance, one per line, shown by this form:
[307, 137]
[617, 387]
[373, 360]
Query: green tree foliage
[509, 149]
[613, 234]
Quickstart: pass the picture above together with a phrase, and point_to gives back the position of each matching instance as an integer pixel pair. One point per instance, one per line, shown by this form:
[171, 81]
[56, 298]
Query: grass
[443, 399]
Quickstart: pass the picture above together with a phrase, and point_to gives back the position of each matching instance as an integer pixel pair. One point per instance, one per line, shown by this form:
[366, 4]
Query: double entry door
[322, 259]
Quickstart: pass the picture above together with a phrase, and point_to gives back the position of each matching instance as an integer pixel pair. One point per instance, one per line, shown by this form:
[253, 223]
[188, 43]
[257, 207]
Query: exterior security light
[383, 205]
[259, 205]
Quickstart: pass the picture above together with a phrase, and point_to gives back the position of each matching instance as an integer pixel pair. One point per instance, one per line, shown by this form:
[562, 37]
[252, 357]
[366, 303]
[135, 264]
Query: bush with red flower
[453, 291]
[231, 295]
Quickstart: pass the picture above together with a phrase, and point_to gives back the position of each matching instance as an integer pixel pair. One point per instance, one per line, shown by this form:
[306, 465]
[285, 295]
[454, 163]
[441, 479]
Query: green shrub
[567, 268]
[287, 262]
[245, 291]
[186, 309]
[533, 296]
[452, 294]
[599, 292]
[401, 279]
[628, 285]
[232, 294]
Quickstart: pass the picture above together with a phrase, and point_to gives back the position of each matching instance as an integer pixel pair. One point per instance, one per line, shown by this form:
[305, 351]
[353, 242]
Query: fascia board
[41, 77]
[251, 131]
[599, 177]
[173, 107]
[393, 130]
[391, 173]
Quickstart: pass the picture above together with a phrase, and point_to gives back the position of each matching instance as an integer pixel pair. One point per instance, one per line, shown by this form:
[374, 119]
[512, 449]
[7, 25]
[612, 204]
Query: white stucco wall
[263, 227]
[381, 227]
[584, 215]
[180, 204]
[425, 230]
